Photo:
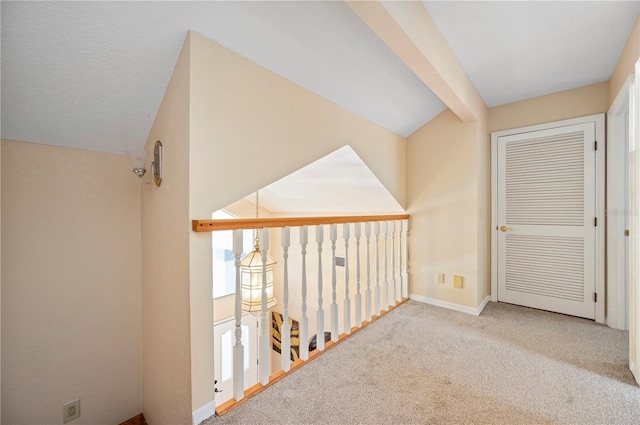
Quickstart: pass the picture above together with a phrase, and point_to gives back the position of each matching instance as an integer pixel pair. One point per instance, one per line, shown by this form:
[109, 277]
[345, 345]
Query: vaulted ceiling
[91, 75]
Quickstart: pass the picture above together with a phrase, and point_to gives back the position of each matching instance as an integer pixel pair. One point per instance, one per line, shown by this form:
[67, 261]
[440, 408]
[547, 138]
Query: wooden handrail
[260, 223]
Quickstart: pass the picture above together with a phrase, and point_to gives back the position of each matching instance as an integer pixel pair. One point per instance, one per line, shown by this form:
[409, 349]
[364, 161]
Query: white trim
[451, 306]
[621, 103]
[598, 119]
[600, 213]
[634, 256]
[553, 124]
[483, 304]
[204, 412]
[494, 217]
[617, 158]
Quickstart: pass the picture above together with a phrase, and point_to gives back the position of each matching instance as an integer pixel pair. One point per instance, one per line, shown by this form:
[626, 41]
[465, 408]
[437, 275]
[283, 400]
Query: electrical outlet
[440, 277]
[71, 411]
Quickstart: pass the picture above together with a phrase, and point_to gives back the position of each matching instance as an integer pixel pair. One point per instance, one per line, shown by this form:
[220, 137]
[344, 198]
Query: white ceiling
[336, 183]
[522, 49]
[91, 75]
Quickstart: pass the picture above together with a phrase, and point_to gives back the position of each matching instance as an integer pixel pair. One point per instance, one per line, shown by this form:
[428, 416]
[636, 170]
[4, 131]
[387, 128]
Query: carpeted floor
[426, 365]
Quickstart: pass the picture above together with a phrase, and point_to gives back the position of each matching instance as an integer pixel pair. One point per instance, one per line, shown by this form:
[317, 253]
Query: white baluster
[400, 270]
[304, 320]
[238, 349]
[367, 293]
[264, 333]
[320, 316]
[393, 300]
[285, 336]
[406, 258]
[333, 235]
[377, 302]
[347, 300]
[358, 295]
[385, 298]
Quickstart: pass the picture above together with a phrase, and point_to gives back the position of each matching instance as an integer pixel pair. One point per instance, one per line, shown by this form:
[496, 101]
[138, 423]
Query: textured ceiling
[92, 74]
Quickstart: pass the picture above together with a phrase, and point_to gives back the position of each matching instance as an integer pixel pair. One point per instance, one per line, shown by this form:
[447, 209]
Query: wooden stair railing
[385, 298]
[205, 225]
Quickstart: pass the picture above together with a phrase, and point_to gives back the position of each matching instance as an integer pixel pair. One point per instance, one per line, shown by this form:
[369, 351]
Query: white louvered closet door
[546, 211]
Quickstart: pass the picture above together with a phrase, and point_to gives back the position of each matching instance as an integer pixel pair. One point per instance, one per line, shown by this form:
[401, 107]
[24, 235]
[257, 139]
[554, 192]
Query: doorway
[223, 342]
[547, 196]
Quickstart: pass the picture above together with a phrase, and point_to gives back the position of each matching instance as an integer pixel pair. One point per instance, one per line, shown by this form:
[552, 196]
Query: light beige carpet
[426, 365]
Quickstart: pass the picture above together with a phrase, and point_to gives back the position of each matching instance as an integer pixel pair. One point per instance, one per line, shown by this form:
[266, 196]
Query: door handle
[505, 228]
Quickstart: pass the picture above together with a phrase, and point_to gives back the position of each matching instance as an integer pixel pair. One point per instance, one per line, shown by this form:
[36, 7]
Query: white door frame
[600, 203]
[634, 255]
[617, 161]
[251, 322]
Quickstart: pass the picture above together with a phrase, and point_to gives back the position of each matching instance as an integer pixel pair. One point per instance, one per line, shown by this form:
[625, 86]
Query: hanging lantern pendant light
[251, 271]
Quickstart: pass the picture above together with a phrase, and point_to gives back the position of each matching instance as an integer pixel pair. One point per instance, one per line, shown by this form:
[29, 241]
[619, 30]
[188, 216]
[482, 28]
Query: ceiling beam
[409, 31]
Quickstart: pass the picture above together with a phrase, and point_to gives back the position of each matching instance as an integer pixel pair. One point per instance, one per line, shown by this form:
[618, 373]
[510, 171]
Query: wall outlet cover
[440, 277]
[71, 411]
[457, 281]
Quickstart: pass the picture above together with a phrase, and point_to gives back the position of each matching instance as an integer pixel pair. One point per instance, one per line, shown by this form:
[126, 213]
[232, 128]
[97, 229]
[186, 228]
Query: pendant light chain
[254, 272]
[256, 230]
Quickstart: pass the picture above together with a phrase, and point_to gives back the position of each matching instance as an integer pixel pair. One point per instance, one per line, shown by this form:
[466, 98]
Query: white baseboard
[451, 306]
[204, 412]
[483, 304]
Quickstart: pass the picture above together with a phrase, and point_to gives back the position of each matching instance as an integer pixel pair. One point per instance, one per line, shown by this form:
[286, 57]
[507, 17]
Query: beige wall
[71, 295]
[0, 281]
[250, 127]
[442, 198]
[484, 208]
[448, 190]
[582, 101]
[626, 62]
[166, 372]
